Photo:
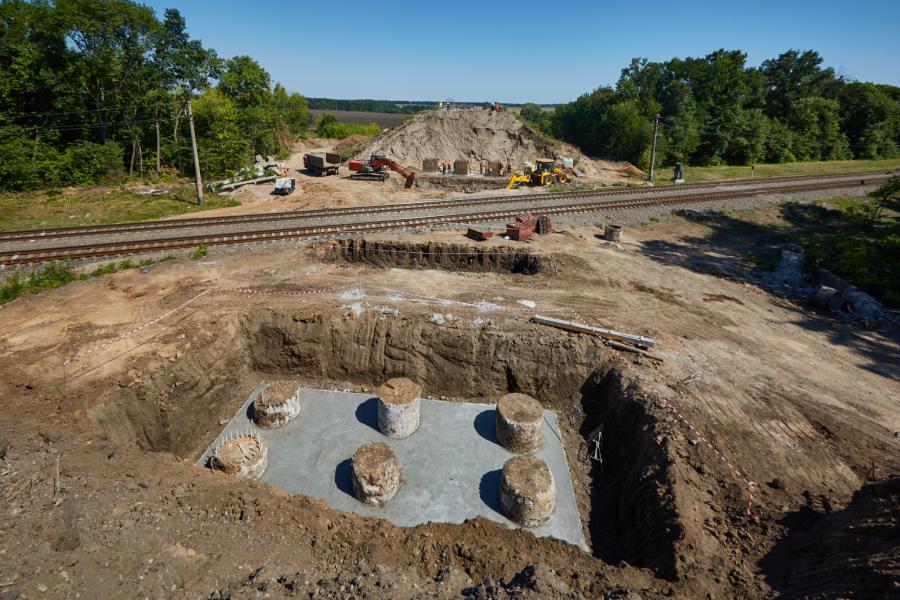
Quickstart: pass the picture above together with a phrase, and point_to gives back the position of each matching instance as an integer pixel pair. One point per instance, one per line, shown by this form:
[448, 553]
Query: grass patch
[663, 175]
[70, 207]
[48, 277]
[58, 274]
[200, 252]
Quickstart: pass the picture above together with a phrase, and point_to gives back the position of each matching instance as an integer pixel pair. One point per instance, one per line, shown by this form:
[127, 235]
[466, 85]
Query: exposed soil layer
[101, 496]
[452, 257]
[473, 364]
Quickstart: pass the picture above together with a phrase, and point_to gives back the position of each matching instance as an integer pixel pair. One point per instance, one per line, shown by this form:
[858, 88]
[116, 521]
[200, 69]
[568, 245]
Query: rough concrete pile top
[374, 461]
[527, 475]
[398, 391]
[277, 393]
[520, 408]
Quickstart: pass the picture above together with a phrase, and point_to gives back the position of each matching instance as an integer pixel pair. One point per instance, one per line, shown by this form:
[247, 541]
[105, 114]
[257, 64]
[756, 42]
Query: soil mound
[476, 135]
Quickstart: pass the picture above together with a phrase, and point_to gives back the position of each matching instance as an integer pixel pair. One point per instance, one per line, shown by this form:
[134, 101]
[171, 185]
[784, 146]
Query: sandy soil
[100, 496]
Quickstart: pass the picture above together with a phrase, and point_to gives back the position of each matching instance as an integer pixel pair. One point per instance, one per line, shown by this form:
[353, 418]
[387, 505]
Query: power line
[74, 112]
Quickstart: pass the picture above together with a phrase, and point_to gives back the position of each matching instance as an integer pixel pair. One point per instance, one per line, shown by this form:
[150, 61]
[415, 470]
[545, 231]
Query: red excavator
[376, 169]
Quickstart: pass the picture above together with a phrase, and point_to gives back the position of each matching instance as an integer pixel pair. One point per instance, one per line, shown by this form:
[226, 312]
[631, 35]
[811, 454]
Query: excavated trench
[180, 406]
[427, 255]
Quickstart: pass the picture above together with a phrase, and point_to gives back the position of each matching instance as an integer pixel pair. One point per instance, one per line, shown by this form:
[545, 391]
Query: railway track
[110, 249]
[125, 228]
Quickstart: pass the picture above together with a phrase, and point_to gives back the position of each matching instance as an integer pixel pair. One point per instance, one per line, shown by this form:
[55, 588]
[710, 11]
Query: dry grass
[704, 174]
[69, 207]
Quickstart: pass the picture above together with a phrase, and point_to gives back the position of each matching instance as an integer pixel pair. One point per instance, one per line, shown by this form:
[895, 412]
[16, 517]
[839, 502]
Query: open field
[663, 175]
[384, 120]
[68, 207]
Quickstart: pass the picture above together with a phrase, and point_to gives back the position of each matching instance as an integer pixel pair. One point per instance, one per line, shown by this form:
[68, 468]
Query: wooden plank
[610, 334]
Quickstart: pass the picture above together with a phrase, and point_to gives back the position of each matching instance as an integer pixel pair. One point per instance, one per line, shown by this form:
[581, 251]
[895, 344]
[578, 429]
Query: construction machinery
[284, 186]
[322, 163]
[376, 169]
[544, 172]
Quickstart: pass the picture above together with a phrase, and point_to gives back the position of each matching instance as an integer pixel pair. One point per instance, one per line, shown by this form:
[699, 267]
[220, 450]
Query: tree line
[90, 89]
[717, 110]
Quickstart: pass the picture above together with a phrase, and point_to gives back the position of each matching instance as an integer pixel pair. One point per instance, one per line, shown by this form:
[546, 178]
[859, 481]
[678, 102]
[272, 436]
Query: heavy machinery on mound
[545, 172]
[376, 169]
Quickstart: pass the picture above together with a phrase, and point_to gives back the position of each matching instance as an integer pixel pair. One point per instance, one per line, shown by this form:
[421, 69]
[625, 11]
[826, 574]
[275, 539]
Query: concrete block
[527, 491]
[398, 408]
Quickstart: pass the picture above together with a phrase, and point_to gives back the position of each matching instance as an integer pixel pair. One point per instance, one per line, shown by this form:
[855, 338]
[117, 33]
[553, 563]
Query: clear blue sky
[526, 51]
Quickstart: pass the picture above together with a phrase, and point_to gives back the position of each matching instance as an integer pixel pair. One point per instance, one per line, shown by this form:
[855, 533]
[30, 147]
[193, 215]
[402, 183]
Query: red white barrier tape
[135, 330]
[740, 475]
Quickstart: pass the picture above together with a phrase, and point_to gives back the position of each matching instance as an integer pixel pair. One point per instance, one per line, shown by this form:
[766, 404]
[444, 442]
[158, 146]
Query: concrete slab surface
[452, 464]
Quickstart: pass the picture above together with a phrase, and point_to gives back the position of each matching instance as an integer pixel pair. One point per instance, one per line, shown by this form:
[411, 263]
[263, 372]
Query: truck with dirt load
[322, 163]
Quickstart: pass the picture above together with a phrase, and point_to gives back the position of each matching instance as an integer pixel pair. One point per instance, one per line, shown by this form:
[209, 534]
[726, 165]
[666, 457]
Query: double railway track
[581, 202]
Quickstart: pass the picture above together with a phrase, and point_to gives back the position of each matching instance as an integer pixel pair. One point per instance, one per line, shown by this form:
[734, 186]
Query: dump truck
[322, 163]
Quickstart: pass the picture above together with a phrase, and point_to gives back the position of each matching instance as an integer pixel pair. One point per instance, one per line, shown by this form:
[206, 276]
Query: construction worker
[500, 168]
[509, 167]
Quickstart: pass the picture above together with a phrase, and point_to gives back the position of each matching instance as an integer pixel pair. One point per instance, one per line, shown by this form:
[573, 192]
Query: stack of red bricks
[523, 227]
[544, 225]
[479, 234]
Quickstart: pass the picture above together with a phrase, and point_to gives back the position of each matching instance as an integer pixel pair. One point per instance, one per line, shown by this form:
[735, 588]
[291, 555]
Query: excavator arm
[381, 162]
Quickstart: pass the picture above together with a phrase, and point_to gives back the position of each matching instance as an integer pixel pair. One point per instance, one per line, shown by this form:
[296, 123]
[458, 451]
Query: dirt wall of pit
[178, 406]
[429, 255]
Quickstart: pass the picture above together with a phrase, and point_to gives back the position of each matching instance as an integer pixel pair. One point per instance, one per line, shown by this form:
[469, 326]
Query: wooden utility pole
[157, 143]
[653, 149]
[196, 156]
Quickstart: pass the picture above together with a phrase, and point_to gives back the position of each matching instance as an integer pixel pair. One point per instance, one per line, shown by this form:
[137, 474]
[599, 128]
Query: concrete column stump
[277, 404]
[520, 423]
[244, 455]
[376, 473]
[398, 408]
[527, 491]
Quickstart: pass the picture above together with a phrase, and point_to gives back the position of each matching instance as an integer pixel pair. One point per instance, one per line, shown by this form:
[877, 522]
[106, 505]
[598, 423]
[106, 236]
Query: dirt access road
[100, 496]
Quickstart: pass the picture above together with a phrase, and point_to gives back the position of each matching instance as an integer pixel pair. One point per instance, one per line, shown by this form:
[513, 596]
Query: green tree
[220, 145]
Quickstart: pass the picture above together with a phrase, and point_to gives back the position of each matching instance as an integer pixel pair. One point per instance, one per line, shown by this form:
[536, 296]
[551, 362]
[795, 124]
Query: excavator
[376, 169]
[545, 172]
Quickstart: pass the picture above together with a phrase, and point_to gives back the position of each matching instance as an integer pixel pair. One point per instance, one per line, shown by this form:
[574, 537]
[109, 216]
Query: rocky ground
[104, 418]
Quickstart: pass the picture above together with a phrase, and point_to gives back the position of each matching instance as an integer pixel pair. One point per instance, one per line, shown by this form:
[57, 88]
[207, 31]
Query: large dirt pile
[478, 135]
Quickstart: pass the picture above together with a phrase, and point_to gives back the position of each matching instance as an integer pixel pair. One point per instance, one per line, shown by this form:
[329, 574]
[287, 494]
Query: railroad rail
[110, 249]
[82, 231]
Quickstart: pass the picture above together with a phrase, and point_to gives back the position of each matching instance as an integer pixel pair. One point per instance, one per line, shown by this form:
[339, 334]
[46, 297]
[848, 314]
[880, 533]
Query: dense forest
[717, 110]
[89, 89]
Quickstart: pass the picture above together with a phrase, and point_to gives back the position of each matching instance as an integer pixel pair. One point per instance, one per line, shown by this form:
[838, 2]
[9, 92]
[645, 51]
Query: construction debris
[478, 235]
[610, 334]
[860, 303]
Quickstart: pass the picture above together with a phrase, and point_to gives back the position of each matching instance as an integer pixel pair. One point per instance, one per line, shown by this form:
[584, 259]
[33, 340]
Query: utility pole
[653, 149]
[157, 143]
[196, 157]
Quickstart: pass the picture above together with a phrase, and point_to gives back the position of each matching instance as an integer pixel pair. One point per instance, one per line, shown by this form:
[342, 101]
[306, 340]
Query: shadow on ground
[737, 249]
[850, 553]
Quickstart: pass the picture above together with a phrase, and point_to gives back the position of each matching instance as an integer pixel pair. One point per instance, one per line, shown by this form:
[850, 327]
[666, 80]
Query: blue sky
[526, 51]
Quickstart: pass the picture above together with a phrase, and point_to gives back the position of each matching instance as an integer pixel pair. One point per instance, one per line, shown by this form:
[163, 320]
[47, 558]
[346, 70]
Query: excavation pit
[451, 467]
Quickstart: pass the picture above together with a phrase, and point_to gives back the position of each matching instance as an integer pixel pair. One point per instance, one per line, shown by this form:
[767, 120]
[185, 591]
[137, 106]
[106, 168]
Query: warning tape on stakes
[136, 329]
[122, 336]
[738, 473]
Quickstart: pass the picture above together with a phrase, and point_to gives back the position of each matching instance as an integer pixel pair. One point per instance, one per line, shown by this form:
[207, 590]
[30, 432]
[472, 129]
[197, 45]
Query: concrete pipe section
[527, 491]
[376, 473]
[277, 404]
[241, 455]
[520, 423]
[398, 408]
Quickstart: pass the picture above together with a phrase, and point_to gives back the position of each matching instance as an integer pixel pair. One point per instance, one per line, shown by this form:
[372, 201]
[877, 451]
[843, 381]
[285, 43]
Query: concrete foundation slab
[452, 465]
